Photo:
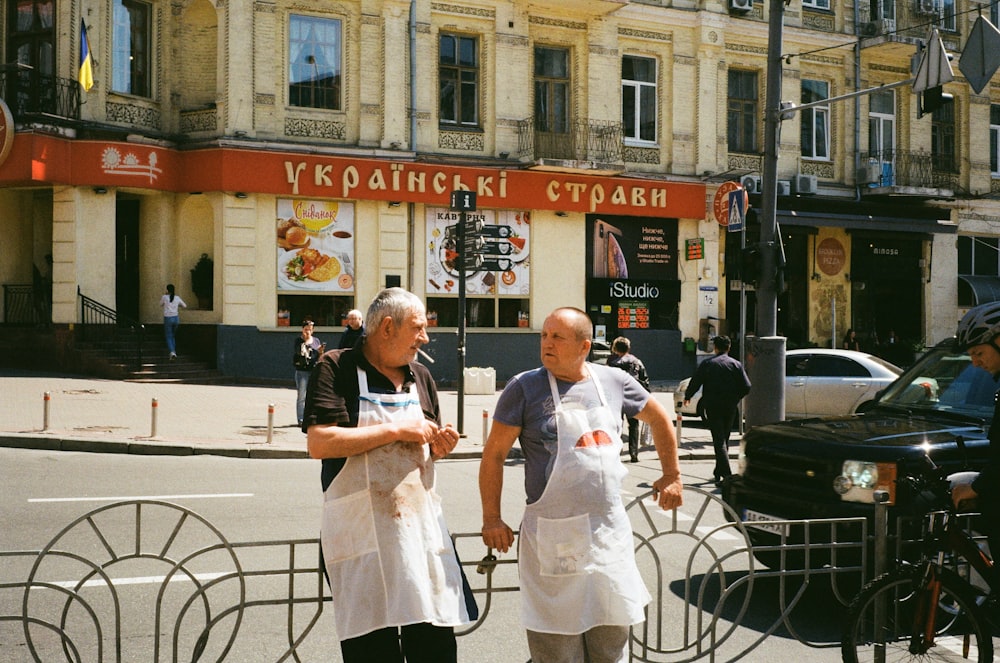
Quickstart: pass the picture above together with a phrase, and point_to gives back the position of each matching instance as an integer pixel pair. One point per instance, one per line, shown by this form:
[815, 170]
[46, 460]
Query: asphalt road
[279, 500]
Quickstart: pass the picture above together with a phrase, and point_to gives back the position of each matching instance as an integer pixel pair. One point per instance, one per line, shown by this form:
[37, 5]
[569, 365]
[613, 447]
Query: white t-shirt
[170, 307]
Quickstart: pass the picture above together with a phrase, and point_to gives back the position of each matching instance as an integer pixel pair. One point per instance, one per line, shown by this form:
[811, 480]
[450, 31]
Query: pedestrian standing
[354, 329]
[171, 304]
[580, 586]
[622, 358]
[308, 348]
[372, 415]
[851, 341]
[723, 384]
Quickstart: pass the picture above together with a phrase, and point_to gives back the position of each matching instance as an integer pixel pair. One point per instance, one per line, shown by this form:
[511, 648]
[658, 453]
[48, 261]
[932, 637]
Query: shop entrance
[127, 258]
[886, 291]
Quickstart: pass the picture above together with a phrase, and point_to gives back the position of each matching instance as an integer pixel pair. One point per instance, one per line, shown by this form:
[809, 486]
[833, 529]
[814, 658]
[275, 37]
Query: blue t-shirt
[526, 402]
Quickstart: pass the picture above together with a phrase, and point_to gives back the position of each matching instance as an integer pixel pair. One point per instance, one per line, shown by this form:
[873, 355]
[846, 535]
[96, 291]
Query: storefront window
[315, 261]
[498, 282]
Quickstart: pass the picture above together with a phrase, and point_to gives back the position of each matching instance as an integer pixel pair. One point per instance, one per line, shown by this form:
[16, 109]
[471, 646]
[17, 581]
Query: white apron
[576, 553]
[388, 554]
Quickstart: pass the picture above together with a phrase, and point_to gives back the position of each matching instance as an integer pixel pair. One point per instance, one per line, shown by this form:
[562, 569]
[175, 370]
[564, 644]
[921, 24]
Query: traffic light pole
[460, 420]
[766, 351]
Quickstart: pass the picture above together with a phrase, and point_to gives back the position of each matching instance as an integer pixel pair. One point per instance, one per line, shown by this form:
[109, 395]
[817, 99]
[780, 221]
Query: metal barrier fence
[698, 564]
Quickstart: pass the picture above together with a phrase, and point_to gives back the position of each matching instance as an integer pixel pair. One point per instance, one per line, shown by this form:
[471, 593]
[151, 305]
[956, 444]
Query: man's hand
[444, 442]
[497, 535]
[669, 492]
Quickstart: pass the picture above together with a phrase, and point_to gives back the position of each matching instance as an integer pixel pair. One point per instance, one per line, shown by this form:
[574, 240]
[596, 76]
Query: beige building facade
[311, 150]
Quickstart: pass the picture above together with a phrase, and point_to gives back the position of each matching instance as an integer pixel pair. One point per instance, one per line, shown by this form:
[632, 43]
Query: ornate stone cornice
[746, 48]
[598, 49]
[643, 34]
[513, 40]
[557, 23]
[481, 12]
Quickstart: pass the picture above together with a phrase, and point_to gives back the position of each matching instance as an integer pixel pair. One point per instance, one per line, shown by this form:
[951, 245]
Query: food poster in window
[315, 244]
[499, 256]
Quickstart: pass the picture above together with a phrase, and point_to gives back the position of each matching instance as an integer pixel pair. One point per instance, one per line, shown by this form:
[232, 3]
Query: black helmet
[980, 325]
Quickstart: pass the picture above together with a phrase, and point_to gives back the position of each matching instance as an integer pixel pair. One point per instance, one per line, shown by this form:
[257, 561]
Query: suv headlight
[859, 479]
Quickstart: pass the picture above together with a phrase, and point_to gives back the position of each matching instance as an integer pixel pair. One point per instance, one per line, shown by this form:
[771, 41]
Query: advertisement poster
[502, 253]
[315, 243]
[631, 248]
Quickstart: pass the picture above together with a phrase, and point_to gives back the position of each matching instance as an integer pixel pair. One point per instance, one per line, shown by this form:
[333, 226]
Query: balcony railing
[905, 168]
[584, 140]
[29, 93]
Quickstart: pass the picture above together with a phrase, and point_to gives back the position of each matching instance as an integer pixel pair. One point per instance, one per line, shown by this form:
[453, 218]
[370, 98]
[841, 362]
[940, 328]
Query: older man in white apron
[372, 414]
[580, 586]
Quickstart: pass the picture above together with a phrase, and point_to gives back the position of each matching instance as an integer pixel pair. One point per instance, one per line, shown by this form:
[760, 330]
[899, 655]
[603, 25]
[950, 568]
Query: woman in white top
[171, 303]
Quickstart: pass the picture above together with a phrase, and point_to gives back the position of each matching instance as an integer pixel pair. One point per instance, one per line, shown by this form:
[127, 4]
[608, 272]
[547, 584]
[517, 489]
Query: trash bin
[480, 380]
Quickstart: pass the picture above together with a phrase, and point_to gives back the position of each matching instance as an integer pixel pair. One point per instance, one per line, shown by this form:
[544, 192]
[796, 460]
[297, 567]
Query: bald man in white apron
[397, 586]
[580, 586]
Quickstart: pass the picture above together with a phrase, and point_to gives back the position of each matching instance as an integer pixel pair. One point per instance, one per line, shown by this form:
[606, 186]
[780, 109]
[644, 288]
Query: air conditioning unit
[784, 187]
[928, 7]
[751, 183]
[870, 173]
[740, 5]
[804, 185]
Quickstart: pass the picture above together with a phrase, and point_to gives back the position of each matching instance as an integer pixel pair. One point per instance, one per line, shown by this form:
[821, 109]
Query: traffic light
[750, 264]
[932, 99]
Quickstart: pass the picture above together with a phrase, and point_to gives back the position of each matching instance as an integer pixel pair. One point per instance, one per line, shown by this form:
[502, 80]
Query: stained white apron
[576, 553]
[388, 555]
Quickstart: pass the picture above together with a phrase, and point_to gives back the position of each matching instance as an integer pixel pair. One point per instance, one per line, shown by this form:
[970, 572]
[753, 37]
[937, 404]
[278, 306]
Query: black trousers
[416, 643]
[720, 423]
[633, 437]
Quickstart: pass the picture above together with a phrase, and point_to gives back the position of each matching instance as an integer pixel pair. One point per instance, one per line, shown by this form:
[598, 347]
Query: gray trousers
[601, 644]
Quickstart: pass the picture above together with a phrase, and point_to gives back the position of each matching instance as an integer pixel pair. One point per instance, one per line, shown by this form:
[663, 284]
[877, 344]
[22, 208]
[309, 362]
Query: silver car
[819, 382]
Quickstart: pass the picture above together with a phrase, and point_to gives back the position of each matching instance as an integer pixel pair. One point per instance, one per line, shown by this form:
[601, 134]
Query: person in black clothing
[308, 348]
[354, 330]
[723, 383]
[977, 334]
[621, 358]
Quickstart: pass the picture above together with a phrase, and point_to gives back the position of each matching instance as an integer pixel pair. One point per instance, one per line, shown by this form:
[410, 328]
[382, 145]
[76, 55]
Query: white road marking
[139, 497]
[140, 580]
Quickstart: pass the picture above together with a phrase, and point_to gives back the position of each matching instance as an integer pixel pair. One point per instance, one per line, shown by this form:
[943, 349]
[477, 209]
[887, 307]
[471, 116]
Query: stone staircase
[156, 366]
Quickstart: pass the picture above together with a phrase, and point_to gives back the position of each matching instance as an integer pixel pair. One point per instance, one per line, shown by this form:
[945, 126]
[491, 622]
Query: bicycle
[922, 611]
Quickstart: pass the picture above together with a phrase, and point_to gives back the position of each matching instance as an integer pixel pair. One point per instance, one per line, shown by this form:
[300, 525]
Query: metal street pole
[461, 324]
[766, 351]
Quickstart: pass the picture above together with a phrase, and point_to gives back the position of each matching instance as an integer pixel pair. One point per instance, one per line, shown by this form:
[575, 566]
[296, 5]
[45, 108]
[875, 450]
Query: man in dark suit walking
[723, 383]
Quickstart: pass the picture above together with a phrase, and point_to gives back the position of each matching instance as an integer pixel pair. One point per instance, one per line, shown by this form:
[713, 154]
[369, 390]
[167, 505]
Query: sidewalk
[86, 414]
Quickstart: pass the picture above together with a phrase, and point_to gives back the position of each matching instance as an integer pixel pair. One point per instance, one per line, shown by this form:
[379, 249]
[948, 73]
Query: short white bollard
[680, 425]
[45, 410]
[270, 421]
[152, 428]
[486, 425]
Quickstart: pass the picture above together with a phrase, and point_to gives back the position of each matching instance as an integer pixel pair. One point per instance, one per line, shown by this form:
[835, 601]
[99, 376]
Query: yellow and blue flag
[86, 64]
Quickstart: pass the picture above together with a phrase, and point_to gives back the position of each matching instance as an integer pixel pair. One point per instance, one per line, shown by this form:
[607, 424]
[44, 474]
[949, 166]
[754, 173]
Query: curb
[51, 443]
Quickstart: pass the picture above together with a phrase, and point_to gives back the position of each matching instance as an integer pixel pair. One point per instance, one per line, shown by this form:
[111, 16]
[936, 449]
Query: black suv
[829, 467]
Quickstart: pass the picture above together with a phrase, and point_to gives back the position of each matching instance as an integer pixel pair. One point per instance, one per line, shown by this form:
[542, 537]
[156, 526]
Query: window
[815, 121]
[816, 4]
[458, 73]
[943, 139]
[947, 15]
[314, 56]
[639, 98]
[742, 116]
[131, 46]
[995, 139]
[551, 90]
[994, 11]
[882, 124]
[978, 256]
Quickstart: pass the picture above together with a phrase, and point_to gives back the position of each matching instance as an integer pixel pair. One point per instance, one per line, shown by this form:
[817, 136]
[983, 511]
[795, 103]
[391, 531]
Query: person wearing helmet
[977, 335]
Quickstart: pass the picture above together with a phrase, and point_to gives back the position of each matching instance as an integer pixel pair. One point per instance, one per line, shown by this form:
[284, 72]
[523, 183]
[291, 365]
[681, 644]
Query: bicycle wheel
[880, 622]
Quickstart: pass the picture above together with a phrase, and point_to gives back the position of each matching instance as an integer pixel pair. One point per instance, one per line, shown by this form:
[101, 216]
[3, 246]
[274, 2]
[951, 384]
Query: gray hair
[394, 303]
